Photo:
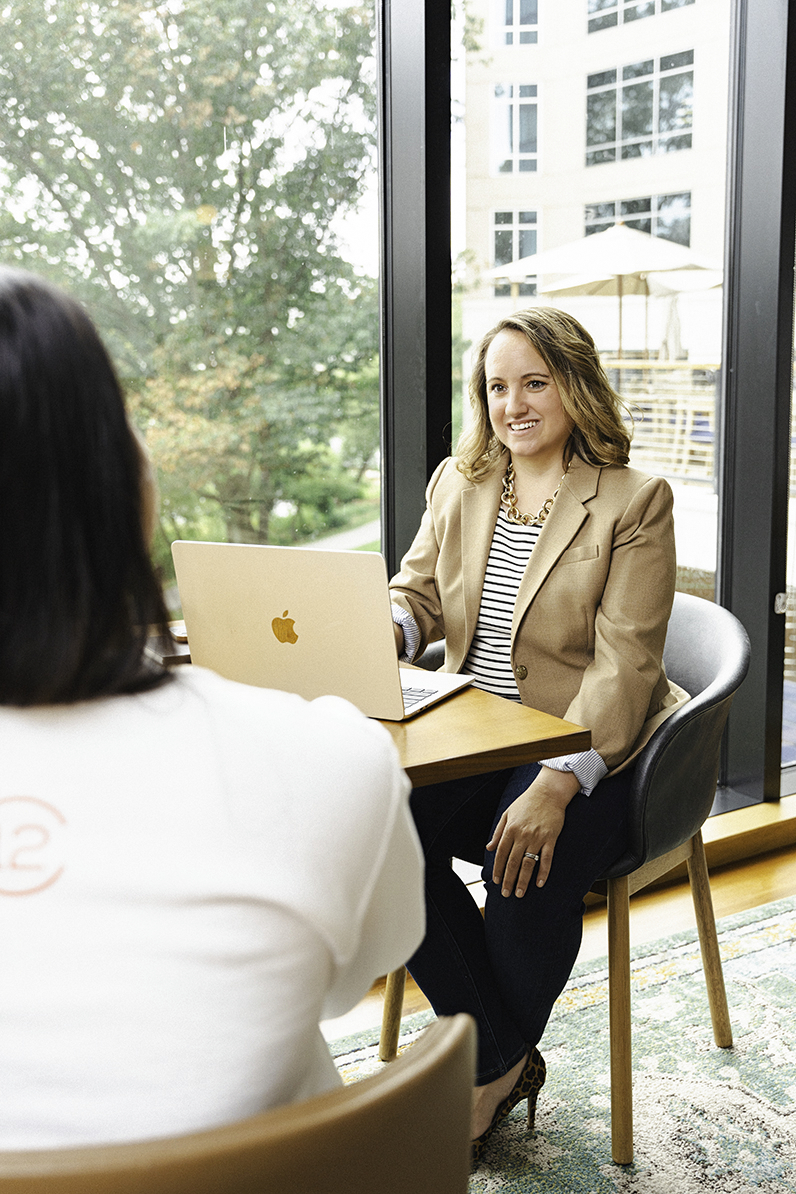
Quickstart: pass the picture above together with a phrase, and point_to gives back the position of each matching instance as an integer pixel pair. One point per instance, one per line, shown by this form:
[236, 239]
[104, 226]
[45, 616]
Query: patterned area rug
[706, 1119]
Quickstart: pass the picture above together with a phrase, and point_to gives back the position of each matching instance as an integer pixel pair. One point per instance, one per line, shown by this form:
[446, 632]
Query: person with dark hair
[193, 872]
[548, 565]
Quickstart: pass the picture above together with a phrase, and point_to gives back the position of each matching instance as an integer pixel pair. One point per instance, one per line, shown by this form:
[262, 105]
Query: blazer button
[521, 671]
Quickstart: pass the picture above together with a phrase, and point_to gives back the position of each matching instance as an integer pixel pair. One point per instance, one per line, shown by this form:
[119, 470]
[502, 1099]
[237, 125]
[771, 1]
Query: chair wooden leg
[709, 944]
[391, 1016]
[619, 1010]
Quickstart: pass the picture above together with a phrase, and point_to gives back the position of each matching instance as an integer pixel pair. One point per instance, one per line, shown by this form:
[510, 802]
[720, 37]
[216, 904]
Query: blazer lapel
[479, 507]
[565, 520]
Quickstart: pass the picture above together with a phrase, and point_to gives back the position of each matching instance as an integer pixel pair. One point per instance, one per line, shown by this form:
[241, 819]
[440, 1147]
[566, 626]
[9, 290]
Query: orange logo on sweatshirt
[31, 845]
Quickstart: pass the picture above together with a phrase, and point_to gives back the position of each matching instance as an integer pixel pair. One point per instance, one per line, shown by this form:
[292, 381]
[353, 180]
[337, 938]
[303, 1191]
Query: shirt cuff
[587, 766]
[411, 632]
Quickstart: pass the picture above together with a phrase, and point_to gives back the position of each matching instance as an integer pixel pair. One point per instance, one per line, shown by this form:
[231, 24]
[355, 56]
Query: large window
[515, 128]
[607, 14]
[640, 109]
[515, 236]
[668, 216]
[197, 175]
[517, 22]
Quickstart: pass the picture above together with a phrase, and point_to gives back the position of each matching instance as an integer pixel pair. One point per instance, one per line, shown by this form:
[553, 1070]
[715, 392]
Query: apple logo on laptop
[283, 629]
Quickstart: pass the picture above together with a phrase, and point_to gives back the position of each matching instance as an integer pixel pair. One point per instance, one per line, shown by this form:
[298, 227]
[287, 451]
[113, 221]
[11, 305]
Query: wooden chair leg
[391, 1016]
[619, 1011]
[709, 944]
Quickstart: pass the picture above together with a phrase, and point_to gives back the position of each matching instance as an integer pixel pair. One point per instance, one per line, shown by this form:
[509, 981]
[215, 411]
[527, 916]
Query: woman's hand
[531, 825]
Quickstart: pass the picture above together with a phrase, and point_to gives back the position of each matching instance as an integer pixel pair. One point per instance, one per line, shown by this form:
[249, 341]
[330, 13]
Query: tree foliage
[182, 168]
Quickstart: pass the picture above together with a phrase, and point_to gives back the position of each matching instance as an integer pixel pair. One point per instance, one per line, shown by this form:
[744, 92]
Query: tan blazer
[591, 613]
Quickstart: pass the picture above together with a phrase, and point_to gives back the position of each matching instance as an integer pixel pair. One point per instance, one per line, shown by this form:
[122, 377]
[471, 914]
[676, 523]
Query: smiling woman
[569, 359]
[526, 414]
[566, 611]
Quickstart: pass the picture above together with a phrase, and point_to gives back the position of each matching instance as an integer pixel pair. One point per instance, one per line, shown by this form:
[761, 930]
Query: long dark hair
[77, 588]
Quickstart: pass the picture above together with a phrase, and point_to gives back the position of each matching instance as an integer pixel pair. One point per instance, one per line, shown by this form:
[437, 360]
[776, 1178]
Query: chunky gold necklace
[508, 500]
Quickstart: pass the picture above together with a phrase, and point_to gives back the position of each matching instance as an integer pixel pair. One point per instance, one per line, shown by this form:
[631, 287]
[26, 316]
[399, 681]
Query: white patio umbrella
[615, 262]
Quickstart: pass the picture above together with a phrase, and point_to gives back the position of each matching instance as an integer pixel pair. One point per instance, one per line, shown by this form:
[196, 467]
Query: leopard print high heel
[527, 1086]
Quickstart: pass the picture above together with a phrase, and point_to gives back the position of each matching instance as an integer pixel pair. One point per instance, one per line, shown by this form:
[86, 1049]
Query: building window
[514, 237]
[515, 128]
[667, 216]
[609, 13]
[640, 109]
[517, 21]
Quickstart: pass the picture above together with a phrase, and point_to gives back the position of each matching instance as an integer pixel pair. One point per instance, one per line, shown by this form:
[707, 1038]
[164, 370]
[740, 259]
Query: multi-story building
[584, 113]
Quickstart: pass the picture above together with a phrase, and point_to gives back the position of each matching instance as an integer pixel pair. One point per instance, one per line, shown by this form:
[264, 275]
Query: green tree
[181, 168]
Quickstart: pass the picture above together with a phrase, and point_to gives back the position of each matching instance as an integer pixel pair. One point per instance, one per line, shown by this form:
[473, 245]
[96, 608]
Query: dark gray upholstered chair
[404, 1129]
[707, 653]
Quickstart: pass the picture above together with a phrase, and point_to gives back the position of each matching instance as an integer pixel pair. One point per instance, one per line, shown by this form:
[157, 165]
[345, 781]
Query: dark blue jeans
[508, 967]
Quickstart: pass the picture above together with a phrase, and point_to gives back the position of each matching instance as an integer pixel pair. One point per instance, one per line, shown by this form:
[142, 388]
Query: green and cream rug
[706, 1119]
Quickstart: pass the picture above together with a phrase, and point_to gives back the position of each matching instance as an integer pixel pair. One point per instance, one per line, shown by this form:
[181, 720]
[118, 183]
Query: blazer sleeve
[625, 683]
[414, 587]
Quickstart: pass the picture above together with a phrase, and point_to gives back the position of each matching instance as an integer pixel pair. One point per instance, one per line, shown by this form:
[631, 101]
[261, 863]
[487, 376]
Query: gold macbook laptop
[304, 620]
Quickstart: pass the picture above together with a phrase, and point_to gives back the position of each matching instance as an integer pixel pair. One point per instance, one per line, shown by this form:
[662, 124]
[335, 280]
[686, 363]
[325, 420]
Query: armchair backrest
[707, 653]
[407, 1128]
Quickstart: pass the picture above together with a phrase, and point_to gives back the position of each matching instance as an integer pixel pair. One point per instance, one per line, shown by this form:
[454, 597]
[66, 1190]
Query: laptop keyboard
[413, 695]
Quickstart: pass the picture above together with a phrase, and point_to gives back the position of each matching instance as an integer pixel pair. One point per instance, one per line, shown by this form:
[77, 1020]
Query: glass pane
[630, 207]
[527, 245]
[676, 103]
[601, 79]
[504, 247]
[673, 144]
[203, 178]
[601, 117]
[636, 11]
[667, 364]
[638, 69]
[637, 110]
[597, 156]
[600, 211]
[637, 149]
[669, 203]
[671, 61]
[527, 131]
[673, 219]
[598, 23]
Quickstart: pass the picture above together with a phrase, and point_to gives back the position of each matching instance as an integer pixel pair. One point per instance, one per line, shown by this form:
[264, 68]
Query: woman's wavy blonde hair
[599, 435]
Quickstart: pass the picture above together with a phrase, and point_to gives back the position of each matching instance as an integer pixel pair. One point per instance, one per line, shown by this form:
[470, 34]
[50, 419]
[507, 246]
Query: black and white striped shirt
[489, 659]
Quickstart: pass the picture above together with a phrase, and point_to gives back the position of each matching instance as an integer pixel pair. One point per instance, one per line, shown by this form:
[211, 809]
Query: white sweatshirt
[190, 879]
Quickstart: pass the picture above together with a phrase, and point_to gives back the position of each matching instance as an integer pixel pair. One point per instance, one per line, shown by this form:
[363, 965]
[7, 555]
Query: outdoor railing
[674, 405]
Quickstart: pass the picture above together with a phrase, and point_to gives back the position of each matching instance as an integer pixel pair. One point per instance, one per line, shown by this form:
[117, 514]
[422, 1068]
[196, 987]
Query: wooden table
[473, 732]
[467, 734]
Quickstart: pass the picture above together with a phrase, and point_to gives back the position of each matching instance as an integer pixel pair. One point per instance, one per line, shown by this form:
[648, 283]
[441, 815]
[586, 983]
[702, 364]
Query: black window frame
[414, 39]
